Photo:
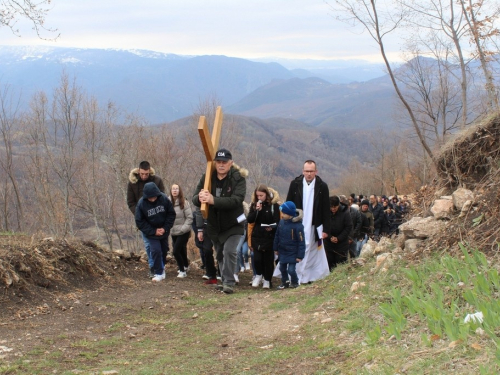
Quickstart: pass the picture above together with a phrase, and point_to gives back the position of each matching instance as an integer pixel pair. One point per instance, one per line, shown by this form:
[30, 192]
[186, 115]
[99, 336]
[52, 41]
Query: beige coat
[183, 219]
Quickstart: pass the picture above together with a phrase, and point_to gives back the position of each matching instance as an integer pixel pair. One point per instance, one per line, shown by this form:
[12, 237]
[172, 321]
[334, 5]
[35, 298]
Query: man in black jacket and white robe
[310, 193]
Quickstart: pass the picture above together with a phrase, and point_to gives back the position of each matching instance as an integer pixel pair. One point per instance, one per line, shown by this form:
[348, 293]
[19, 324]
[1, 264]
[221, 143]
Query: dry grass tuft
[26, 264]
[473, 154]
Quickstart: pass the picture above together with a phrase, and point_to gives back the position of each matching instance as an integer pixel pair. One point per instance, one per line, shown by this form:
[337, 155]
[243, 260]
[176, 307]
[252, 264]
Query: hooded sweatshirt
[150, 216]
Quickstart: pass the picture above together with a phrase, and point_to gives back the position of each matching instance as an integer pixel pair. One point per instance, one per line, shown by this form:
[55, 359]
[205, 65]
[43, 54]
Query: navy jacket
[289, 240]
[150, 216]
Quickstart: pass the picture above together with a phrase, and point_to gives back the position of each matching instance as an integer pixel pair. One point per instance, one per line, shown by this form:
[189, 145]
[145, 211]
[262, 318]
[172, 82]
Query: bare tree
[434, 95]
[39, 172]
[67, 118]
[9, 108]
[379, 24]
[481, 31]
[438, 27]
[35, 12]
[260, 166]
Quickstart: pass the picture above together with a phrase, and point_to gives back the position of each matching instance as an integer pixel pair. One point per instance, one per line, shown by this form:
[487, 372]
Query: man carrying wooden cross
[225, 205]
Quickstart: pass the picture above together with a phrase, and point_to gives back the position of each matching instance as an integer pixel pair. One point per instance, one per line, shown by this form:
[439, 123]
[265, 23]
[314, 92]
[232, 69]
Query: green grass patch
[409, 320]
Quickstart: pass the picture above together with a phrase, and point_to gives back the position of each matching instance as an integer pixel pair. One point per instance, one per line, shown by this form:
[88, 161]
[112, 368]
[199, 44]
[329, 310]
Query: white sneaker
[247, 266]
[182, 275]
[242, 269]
[219, 278]
[256, 281]
[266, 284]
[236, 278]
[158, 278]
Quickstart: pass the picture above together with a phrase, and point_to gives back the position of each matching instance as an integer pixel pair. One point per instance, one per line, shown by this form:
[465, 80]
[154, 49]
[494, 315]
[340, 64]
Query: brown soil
[63, 293]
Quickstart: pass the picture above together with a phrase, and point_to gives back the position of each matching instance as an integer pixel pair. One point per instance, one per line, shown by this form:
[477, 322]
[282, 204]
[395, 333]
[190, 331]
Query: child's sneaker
[206, 277]
[242, 269]
[236, 279]
[283, 286]
[182, 275]
[294, 286]
[211, 282]
[247, 266]
[158, 278]
[266, 284]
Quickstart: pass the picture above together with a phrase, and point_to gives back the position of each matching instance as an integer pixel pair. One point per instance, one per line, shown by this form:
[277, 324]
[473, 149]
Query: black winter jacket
[321, 206]
[136, 185]
[262, 239]
[378, 215]
[222, 215]
[357, 221]
[340, 227]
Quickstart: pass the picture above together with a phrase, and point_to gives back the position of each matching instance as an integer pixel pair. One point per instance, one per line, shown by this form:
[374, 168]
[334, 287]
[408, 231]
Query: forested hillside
[67, 159]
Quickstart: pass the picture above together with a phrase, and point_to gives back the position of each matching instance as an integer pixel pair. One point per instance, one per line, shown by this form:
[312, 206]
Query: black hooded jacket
[150, 216]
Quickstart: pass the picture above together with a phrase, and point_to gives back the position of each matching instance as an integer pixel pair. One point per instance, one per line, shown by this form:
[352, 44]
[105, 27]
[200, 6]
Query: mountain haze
[164, 87]
[314, 101]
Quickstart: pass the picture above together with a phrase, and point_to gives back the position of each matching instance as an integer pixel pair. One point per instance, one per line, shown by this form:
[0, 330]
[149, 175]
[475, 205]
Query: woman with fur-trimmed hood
[264, 215]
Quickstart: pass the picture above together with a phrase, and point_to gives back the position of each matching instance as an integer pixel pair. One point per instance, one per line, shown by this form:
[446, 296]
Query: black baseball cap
[223, 154]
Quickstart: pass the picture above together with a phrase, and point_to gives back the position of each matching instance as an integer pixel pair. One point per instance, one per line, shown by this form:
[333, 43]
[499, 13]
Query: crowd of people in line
[299, 240]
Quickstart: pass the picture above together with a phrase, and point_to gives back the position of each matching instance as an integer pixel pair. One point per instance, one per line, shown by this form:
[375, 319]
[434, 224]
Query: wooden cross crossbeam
[210, 148]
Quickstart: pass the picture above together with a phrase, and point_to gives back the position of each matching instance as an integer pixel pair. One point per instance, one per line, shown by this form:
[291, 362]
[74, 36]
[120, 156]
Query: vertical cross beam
[210, 148]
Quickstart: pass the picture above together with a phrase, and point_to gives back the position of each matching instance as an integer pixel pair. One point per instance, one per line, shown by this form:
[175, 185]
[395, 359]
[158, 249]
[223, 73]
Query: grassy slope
[322, 328]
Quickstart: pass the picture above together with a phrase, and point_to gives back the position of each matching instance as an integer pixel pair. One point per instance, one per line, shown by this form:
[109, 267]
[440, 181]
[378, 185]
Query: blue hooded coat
[289, 240]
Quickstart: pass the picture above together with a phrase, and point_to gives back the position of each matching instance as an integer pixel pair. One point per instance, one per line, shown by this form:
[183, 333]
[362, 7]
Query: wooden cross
[210, 147]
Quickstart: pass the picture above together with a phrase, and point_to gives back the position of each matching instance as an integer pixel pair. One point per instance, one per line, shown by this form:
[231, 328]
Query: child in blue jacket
[289, 243]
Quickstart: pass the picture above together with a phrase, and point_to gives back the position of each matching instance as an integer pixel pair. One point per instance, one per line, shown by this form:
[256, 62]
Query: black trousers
[208, 253]
[336, 254]
[264, 263]
[180, 250]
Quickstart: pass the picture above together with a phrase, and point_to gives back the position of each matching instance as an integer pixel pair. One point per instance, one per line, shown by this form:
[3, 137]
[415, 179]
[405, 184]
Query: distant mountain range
[164, 87]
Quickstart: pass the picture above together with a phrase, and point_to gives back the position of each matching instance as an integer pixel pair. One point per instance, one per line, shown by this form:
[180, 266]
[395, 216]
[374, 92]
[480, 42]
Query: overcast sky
[297, 29]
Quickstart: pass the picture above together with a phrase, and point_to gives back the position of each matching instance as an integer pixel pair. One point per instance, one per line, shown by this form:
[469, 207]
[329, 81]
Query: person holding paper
[265, 215]
[310, 194]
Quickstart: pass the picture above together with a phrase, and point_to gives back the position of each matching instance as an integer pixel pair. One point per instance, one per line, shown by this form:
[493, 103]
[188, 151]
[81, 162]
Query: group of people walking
[159, 216]
[300, 240]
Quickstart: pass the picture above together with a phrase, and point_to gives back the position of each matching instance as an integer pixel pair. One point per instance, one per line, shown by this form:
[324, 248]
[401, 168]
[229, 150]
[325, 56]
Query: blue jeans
[360, 244]
[147, 245]
[242, 254]
[159, 249]
[288, 268]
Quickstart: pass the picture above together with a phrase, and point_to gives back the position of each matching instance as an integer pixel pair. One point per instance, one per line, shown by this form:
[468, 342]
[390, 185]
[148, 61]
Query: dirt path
[130, 306]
